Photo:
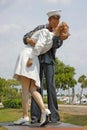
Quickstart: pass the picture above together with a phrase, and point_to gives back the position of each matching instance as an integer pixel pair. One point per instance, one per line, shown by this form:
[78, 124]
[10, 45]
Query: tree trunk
[73, 94]
[81, 94]
[69, 94]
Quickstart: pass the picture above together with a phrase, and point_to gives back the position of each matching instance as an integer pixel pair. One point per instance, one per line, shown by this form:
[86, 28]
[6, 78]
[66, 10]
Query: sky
[17, 17]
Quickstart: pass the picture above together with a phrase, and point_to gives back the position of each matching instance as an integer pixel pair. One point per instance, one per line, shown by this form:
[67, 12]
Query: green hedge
[17, 103]
[12, 103]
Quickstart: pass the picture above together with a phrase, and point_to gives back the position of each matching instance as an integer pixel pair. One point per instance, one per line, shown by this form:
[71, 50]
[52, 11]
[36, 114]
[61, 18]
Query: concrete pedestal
[49, 126]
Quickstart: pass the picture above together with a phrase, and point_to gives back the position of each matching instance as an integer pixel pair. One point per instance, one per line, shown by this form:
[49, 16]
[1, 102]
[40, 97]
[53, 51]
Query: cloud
[52, 1]
[4, 4]
[8, 27]
[82, 33]
[65, 2]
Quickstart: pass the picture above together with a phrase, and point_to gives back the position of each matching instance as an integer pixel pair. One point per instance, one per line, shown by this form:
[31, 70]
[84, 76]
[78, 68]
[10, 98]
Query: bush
[45, 99]
[12, 103]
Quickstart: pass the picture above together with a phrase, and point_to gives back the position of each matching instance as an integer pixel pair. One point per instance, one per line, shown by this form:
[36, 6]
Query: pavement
[51, 126]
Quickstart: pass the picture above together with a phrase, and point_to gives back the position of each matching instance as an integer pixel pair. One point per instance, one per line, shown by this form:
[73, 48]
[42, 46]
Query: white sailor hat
[54, 13]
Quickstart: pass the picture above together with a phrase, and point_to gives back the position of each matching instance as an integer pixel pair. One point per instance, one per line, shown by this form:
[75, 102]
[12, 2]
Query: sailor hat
[54, 13]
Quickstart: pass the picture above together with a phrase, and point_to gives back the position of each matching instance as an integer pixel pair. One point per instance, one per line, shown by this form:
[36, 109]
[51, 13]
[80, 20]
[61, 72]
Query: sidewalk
[57, 126]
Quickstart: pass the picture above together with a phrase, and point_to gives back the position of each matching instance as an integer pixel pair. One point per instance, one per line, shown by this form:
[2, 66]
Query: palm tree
[83, 81]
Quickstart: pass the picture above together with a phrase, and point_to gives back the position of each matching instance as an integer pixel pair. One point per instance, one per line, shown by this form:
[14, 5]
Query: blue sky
[18, 17]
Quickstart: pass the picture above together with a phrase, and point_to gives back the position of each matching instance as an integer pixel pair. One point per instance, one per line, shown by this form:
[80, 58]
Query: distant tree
[64, 76]
[13, 82]
[7, 89]
[13, 91]
[2, 86]
[59, 71]
[83, 81]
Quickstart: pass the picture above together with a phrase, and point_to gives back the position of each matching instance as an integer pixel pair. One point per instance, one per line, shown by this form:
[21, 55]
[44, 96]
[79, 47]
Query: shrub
[12, 103]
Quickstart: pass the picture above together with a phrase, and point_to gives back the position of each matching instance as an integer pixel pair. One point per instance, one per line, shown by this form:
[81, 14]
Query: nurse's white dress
[44, 43]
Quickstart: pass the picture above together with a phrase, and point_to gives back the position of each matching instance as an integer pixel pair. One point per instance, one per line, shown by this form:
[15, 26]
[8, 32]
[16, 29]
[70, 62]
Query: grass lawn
[80, 120]
[1, 128]
[9, 115]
